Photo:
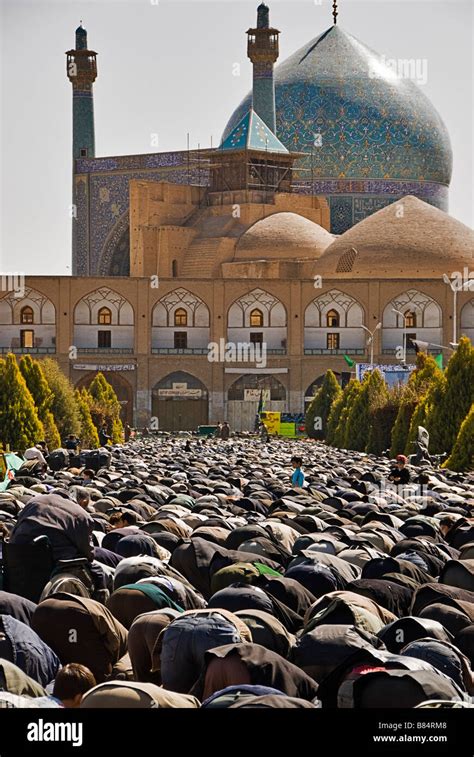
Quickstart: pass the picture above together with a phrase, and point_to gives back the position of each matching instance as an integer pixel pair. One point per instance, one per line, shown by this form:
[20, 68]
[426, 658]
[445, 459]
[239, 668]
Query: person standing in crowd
[127, 432]
[297, 478]
[103, 436]
[225, 431]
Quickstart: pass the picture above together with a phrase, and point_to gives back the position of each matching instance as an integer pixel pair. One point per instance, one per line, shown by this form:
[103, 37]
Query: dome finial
[334, 12]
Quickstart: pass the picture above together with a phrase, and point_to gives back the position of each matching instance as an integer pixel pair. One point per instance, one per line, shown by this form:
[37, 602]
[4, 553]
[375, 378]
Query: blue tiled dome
[372, 127]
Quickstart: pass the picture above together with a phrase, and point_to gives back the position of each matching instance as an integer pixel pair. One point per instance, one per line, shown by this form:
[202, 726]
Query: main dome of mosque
[359, 116]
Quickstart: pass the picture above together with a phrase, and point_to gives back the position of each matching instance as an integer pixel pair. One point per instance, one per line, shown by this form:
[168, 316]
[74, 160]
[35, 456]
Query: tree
[462, 455]
[105, 407]
[425, 374]
[338, 435]
[447, 415]
[372, 393]
[382, 418]
[88, 435]
[64, 405]
[33, 374]
[20, 426]
[320, 406]
[423, 410]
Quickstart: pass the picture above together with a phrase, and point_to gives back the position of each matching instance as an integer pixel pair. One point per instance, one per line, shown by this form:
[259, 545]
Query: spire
[334, 11]
[263, 16]
[81, 37]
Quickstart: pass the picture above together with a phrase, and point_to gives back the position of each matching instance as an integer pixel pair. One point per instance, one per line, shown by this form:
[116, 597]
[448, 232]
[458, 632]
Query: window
[256, 338]
[104, 339]
[105, 317]
[27, 338]
[332, 318]
[180, 317]
[180, 340]
[256, 317]
[410, 320]
[26, 315]
[83, 152]
[333, 341]
[174, 268]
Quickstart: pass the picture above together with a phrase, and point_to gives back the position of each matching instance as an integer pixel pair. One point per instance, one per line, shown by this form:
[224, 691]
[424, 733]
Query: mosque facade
[322, 214]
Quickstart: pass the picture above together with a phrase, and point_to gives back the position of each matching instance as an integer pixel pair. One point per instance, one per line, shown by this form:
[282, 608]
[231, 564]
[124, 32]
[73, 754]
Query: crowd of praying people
[236, 572]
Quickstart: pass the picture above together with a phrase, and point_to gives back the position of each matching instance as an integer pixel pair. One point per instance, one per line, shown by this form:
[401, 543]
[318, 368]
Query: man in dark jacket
[66, 524]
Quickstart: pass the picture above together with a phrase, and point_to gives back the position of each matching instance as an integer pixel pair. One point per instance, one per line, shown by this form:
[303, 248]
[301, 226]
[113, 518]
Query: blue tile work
[251, 133]
[357, 126]
[83, 122]
[80, 225]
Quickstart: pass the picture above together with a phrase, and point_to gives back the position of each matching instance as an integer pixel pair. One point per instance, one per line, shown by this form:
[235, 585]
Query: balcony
[179, 351]
[323, 351]
[105, 350]
[410, 350]
[28, 350]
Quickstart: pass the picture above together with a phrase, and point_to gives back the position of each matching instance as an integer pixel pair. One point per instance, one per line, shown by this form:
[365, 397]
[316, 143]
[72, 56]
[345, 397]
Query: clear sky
[167, 67]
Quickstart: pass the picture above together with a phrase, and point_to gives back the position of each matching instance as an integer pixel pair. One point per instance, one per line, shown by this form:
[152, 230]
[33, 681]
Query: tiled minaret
[262, 49]
[82, 72]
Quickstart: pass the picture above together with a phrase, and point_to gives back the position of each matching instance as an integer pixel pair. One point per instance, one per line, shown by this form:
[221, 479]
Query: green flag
[439, 360]
[349, 361]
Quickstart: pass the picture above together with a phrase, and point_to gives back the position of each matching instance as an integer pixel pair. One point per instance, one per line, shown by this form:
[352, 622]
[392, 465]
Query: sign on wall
[109, 367]
[194, 394]
[253, 395]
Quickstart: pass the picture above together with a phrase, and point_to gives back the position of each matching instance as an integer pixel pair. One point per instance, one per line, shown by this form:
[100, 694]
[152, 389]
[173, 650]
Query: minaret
[82, 72]
[262, 49]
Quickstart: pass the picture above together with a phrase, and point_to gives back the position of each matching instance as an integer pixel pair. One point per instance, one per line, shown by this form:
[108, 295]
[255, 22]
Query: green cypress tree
[462, 455]
[372, 392]
[423, 410]
[33, 374]
[425, 373]
[447, 415]
[63, 407]
[89, 436]
[379, 413]
[106, 407]
[350, 392]
[320, 407]
[20, 426]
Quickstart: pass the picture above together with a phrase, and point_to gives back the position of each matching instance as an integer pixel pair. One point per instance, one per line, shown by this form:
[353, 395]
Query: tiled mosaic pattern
[370, 128]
